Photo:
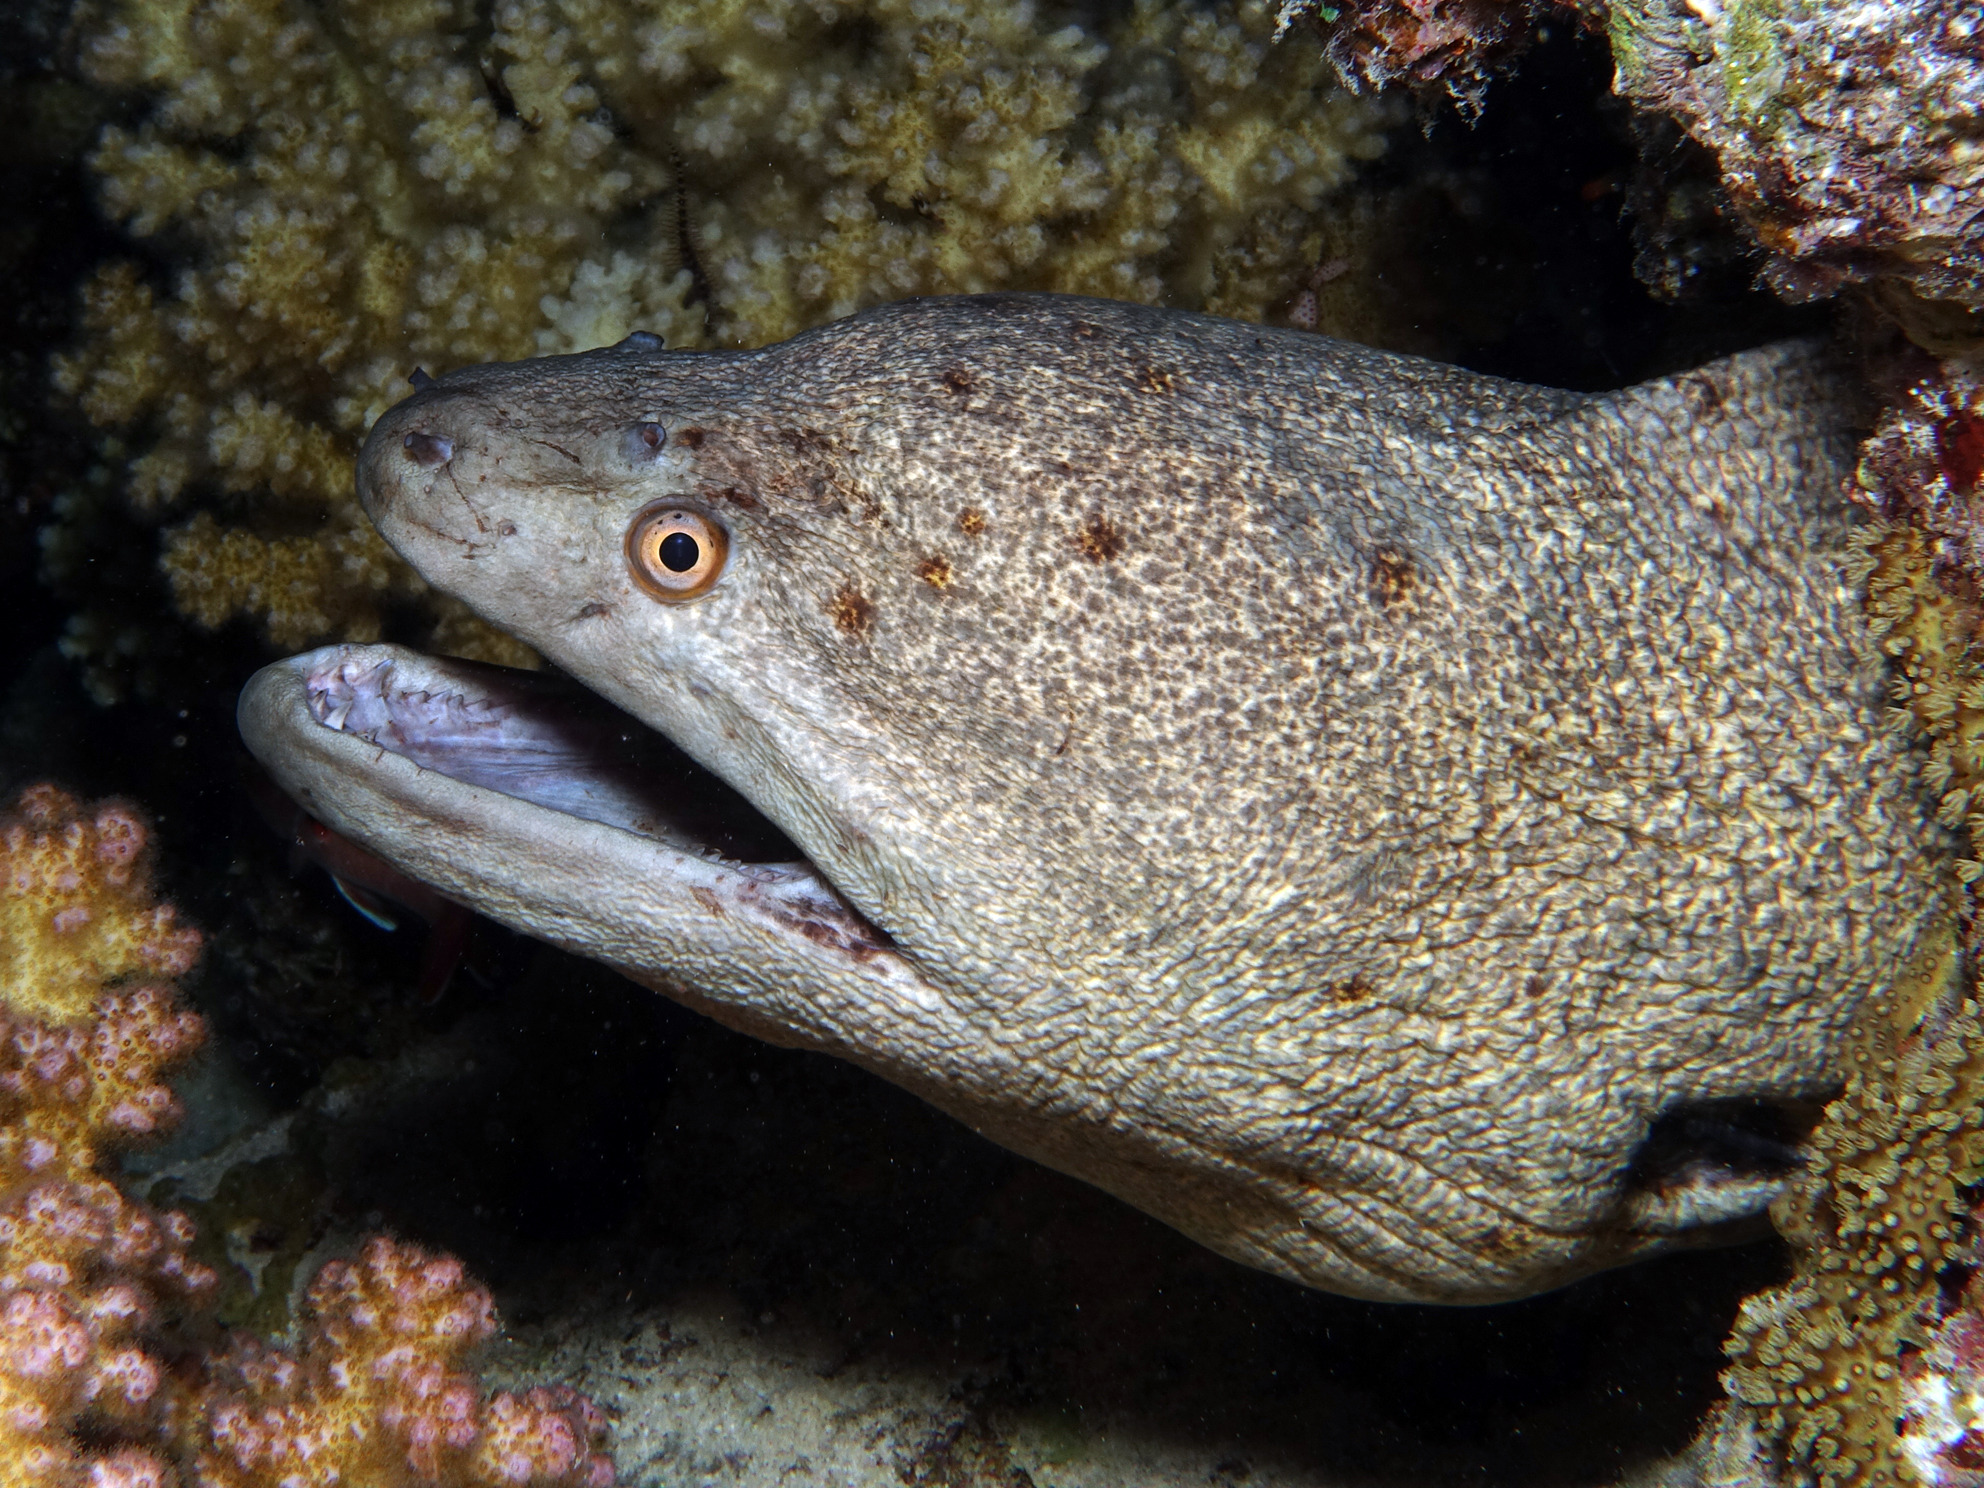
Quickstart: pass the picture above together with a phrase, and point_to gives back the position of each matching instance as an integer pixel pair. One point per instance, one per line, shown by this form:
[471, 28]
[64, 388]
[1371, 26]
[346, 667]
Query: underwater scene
[991, 744]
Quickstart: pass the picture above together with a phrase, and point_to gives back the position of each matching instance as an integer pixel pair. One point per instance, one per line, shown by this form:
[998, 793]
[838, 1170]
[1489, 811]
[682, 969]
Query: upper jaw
[616, 865]
[536, 739]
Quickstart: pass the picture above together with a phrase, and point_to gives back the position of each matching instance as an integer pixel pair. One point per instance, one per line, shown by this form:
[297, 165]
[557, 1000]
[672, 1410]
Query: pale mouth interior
[543, 740]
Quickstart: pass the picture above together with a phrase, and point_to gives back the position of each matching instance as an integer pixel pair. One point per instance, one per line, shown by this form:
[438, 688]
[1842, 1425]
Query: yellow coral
[354, 189]
[82, 1268]
[76, 910]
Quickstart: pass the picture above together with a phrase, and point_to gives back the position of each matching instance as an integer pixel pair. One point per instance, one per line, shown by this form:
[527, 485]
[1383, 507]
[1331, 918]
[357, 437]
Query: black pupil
[679, 552]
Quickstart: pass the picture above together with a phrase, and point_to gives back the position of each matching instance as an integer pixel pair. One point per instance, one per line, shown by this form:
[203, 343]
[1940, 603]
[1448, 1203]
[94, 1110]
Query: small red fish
[368, 883]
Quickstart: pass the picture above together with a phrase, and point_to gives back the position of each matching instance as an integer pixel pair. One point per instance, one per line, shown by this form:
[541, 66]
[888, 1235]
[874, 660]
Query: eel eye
[675, 553]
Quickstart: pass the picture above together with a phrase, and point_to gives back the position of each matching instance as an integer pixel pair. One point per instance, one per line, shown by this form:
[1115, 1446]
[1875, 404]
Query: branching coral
[83, 1270]
[94, 1286]
[371, 1395]
[76, 910]
[352, 189]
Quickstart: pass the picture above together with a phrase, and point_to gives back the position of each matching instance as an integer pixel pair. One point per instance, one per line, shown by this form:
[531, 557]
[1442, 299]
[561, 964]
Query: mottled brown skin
[1337, 800]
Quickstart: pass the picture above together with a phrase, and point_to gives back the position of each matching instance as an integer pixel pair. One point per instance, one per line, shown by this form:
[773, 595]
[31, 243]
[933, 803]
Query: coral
[1818, 1363]
[348, 190]
[76, 909]
[1454, 44]
[1912, 1410]
[84, 1272]
[1921, 560]
[371, 1396]
[1846, 137]
[99, 1382]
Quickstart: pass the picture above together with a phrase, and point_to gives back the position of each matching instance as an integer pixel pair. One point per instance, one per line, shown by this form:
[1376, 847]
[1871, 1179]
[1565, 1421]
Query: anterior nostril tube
[428, 449]
[645, 441]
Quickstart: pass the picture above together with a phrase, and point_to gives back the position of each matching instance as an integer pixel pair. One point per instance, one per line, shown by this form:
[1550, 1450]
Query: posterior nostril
[428, 449]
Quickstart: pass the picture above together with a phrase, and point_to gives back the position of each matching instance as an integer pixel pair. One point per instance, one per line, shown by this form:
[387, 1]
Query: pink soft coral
[84, 1271]
[374, 1396]
[88, 1277]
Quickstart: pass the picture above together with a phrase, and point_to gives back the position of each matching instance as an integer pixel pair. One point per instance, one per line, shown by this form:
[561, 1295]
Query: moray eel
[1383, 821]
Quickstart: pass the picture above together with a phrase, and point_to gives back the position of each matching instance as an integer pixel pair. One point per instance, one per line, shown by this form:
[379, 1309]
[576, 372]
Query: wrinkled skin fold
[1340, 804]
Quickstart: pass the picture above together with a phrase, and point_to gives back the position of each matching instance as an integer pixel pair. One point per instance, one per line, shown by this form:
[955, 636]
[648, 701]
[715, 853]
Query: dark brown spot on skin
[593, 610]
[709, 901]
[852, 612]
[738, 496]
[805, 441]
[1158, 379]
[971, 521]
[958, 379]
[1394, 579]
[1097, 540]
[1355, 988]
[935, 571]
[691, 438]
[1081, 330]
[1536, 984]
[506, 529]
[834, 940]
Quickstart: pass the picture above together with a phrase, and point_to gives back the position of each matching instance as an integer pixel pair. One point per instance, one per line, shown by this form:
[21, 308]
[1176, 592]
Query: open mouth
[530, 800]
[541, 739]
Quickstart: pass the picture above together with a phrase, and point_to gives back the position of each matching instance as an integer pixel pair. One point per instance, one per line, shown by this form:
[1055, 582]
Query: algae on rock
[1847, 138]
[346, 191]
